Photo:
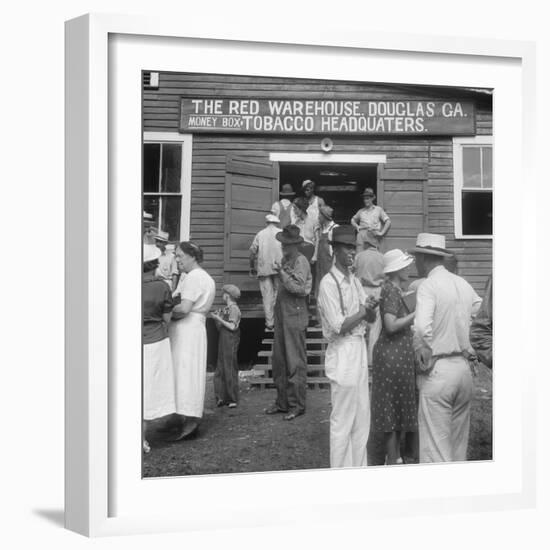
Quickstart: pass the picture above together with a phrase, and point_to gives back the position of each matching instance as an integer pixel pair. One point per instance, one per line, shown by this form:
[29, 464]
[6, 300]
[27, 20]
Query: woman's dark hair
[302, 203]
[150, 266]
[192, 249]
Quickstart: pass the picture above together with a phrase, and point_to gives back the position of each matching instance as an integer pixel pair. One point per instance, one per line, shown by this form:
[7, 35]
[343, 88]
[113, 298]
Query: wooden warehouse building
[217, 149]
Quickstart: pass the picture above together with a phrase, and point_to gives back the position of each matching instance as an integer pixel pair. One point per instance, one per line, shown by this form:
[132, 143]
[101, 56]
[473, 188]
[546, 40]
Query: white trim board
[327, 158]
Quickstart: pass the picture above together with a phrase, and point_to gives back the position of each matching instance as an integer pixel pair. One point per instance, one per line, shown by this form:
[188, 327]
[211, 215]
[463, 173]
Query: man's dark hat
[344, 234]
[290, 235]
[287, 191]
[368, 192]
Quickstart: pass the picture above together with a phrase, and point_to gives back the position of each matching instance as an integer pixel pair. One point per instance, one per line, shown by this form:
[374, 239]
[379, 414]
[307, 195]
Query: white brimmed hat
[271, 218]
[430, 243]
[395, 260]
[162, 236]
[151, 252]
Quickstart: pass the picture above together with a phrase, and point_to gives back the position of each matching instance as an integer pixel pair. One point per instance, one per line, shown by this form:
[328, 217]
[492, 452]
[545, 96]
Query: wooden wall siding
[161, 112]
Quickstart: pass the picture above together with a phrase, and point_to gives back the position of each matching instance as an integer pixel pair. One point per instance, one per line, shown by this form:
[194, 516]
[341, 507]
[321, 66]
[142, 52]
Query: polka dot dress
[393, 404]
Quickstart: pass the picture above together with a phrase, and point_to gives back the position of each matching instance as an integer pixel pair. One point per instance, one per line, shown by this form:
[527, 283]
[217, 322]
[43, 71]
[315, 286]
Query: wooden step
[311, 381]
[310, 367]
[269, 341]
[310, 352]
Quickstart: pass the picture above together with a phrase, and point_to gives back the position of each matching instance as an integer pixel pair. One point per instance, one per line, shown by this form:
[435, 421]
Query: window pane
[151, 162]
[471, 166]
[477, 213]
[171, 215]
[487, 153]
[151, 206]
[171, 167]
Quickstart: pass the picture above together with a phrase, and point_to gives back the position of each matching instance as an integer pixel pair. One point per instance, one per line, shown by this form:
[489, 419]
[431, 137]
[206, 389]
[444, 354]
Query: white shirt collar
[436, 270]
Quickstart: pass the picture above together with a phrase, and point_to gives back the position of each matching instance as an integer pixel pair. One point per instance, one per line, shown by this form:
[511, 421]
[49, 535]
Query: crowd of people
[414, 336]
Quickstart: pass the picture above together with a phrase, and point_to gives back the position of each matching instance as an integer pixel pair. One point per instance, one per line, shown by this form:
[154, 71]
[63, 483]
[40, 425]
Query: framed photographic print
[220, 189]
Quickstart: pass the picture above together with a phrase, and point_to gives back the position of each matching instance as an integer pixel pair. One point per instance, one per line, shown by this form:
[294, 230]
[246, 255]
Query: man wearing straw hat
[265, 254]
[168, 267]
[445, 305]
[344, 310]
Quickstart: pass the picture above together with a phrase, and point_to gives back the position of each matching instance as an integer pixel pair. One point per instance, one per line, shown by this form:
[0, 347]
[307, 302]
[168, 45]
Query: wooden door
[403, 194]
[251, 187]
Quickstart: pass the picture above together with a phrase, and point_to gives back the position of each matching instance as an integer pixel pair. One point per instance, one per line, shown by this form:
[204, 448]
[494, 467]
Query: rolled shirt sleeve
[330, 309]
[383, 216]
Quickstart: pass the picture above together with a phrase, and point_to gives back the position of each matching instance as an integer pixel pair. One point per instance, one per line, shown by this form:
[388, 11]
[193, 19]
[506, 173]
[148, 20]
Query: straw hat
[151, 252]
[395, 260]
[162, 236]
[430, 243]
[232, 290]
[271, 218]
[290, 235]
[344, 234]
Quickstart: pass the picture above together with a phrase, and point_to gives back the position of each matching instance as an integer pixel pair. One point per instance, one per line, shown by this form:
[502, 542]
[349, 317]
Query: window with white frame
[166, 183]
[473, 184]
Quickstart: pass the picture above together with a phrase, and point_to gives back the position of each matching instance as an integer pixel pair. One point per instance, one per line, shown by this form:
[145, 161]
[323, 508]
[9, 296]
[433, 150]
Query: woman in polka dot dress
[393, 403]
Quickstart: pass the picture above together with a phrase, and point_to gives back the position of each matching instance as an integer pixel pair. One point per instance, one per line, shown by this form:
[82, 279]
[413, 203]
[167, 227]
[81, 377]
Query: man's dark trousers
[289, 351]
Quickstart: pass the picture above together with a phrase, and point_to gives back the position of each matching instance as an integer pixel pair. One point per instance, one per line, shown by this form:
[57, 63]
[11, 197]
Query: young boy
[226, 377]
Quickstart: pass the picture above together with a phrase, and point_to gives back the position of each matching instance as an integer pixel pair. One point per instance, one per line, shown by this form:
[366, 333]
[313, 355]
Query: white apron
[158, 380]
[189, 348]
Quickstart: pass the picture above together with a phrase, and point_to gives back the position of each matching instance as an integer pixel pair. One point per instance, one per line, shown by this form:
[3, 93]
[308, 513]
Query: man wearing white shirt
[445, 305]
[344, 310]
[265, 255]
[283, 207]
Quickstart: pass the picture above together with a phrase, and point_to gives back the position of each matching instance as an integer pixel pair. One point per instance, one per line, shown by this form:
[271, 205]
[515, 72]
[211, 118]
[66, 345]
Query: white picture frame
[104, 54]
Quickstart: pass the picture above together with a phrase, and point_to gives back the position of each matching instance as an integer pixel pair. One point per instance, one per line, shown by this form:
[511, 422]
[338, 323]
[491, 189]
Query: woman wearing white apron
[188, 337]
[158, 374]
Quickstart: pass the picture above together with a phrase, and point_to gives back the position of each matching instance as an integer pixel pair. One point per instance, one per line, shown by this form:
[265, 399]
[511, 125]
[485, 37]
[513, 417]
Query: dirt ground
[245, 439]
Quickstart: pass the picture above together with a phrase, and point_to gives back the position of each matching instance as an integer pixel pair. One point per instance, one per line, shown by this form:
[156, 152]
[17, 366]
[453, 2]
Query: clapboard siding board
[211, 152]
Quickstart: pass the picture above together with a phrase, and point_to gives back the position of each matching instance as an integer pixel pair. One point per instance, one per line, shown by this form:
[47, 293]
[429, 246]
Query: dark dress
[226, 377]
[393, 405]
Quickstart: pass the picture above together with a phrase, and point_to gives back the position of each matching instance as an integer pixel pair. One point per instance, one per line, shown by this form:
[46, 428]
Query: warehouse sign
[327, 116]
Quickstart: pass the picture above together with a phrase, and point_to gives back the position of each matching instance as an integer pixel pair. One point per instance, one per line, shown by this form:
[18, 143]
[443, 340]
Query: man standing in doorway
[445, 305]
[345, 309]
[266, 254]
[314, 201]
[291, 320]
[283, 207]
[370, 219]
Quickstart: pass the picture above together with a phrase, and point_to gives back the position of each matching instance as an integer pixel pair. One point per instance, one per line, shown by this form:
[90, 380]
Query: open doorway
[340, 185]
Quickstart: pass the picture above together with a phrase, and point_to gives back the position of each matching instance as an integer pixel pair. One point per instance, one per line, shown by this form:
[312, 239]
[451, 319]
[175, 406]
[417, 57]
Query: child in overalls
[226, 377]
